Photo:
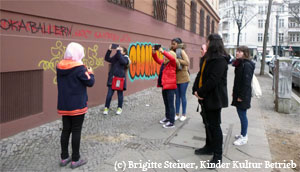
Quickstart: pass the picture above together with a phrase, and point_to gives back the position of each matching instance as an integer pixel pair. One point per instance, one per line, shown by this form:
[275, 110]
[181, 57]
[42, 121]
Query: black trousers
[71, 124]
[168, 97]
[214, 135]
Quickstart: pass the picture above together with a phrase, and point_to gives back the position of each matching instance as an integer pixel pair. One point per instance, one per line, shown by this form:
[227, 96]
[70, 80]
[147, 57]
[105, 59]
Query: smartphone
[156, 47]
[114, 46]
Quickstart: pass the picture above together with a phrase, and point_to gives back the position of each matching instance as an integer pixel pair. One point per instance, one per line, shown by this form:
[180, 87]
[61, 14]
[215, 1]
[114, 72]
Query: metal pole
[277, 26]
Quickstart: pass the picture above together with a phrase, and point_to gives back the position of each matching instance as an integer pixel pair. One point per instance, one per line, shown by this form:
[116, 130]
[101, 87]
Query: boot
[216, 159]
[204, 151]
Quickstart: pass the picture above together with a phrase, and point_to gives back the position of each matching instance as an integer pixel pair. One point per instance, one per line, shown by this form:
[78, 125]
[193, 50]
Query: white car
[269, 58]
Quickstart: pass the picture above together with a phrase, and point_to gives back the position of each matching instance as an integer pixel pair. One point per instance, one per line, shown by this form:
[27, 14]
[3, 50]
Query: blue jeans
[168, 97]
[181, 95]
[244, 120]
[110, 93]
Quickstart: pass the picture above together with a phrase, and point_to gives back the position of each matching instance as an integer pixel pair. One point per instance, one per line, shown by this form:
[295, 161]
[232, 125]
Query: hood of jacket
[65, 67]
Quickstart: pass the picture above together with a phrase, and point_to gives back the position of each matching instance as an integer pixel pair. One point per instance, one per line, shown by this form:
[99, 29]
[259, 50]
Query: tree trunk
[238, 38]
[263, 62]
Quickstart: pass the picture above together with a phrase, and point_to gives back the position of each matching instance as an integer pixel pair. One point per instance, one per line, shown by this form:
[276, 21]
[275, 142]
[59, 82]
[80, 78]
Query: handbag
[256, 90]
[117, 83]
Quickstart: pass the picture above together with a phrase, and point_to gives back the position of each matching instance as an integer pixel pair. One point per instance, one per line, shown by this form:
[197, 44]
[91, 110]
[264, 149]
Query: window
[160, 10]
[201, 22]
[240, 10]
[180, 13]
[266, 10]
[281, 37]
[212, 26]
[207, 25]
[193, 16]
[260, 37]
[281, 9]
[260, 23]
[124, 3]
[260, 10]
[293, 23]
[281, 23]
[233, 37]
[294, 37]
[241, 37]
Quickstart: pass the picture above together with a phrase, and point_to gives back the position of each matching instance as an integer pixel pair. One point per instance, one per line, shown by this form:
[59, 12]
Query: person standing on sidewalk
[119, 64]
[241, 95]
[203, 50]
[182, 77]
[72, 79]
[167, 80]
[212, 95]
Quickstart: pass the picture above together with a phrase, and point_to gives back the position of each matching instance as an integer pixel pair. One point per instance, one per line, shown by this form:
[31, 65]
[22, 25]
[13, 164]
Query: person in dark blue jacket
[119, 64]
[72, 79]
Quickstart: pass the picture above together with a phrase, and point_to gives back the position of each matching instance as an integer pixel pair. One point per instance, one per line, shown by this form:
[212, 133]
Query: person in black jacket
[119, 64]
[210, 87]
[241, 96]
[73, 78]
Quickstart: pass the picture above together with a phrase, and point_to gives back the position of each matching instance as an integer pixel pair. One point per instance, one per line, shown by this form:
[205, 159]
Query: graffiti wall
[142, 66]
[36, 43]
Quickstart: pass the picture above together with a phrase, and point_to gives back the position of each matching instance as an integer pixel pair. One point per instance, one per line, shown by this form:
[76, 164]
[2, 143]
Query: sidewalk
[181, 142]
[135, 136]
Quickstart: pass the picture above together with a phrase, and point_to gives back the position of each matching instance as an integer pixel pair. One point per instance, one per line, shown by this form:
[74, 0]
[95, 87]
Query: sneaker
[78, 163]
[163, 121]
[64, 162]
[237, 136]
[105, 111]
[182, 118]
[119, 111]
[177, 117]
[168, 125]
[241, 141]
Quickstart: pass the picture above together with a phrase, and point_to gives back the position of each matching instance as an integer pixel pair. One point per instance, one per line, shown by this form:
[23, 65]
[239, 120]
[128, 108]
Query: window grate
[193, 16]
[207, 25]
[124, 3]
[21, 94]
[212, 26]
[180, 13]
[201, 22]
[160, 10]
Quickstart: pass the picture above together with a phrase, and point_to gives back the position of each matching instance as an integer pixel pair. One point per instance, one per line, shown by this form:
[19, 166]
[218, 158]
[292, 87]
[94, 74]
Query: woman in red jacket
[167, 80]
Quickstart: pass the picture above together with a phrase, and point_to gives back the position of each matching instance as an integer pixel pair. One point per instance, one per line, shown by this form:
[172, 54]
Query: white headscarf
[74, 52]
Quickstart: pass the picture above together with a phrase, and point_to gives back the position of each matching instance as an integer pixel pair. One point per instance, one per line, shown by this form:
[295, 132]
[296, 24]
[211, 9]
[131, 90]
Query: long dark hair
[215, 47]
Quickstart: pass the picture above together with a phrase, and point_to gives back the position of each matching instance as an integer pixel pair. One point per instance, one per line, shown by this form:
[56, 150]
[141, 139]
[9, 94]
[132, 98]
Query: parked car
[296, 73]
[272, 66]
[269, 58]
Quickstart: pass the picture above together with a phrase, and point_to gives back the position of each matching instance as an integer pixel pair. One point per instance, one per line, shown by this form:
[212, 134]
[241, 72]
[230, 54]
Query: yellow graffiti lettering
[57, 53]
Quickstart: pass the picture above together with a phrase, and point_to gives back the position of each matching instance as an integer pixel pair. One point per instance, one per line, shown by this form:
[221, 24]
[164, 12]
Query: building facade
[34, 36]
[252, 34]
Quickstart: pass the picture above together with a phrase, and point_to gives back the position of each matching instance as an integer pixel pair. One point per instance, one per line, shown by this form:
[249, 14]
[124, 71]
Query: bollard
[283, 85]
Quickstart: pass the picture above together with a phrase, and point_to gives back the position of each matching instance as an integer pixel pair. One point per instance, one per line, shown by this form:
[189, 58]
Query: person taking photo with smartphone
[167, 80]
[116, 76]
